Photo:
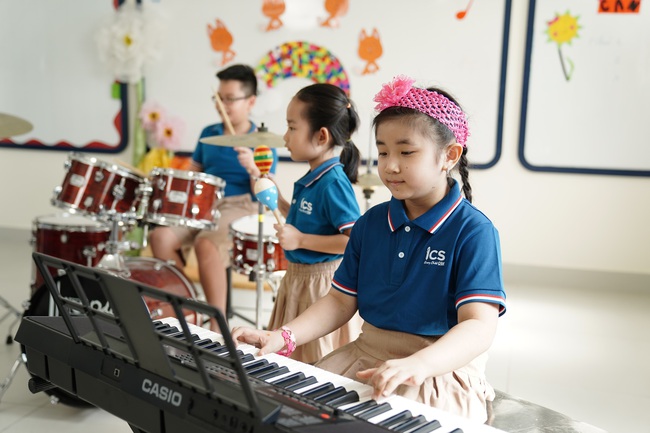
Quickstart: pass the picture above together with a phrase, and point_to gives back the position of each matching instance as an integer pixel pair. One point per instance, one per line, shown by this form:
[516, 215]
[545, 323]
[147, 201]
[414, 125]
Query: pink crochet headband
[401, 93]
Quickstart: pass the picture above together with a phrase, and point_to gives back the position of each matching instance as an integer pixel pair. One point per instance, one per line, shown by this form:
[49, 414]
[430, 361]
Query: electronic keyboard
[171, 376]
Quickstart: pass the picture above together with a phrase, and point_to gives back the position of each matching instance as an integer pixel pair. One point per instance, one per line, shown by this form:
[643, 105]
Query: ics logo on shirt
[305, 207]
[435, 257]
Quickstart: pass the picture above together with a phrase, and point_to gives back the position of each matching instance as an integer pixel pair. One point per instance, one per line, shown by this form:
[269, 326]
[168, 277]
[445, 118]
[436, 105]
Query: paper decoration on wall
[462, 14]
[619, 6]
[273, 9]
[221, 40]
[561, 30]
[336, 9]
[370, 49]
[131, 40]
[305, 60]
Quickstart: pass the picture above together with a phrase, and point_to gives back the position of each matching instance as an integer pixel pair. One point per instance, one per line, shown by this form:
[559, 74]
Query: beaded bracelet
[289, 342]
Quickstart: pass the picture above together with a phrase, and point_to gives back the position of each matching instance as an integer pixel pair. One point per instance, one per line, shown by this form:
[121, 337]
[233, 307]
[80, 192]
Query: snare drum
[244, 233]
[184, 198]
[93, 187]
[70, 237]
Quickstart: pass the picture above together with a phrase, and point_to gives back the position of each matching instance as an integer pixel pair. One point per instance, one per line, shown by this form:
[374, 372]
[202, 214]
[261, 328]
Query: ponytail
[350, 158]
[329, 107]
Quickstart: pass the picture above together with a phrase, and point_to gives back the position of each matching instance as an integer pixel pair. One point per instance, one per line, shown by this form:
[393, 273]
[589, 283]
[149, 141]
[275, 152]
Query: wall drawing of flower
[562, 30]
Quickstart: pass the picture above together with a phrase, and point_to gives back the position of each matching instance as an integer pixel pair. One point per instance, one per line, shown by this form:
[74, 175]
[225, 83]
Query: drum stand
[259, 274]
[11, 310]
[113, 259]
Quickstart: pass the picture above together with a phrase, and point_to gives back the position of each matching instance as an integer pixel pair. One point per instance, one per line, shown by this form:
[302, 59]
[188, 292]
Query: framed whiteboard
[51, 76]
[424, 39]
[586, 89]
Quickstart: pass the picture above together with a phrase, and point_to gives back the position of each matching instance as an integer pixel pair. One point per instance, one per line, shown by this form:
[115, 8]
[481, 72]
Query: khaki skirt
[301, 286]
[463, 392]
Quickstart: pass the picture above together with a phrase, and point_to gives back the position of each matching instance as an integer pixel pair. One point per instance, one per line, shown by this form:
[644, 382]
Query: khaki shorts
[230, 209]
[464, 392]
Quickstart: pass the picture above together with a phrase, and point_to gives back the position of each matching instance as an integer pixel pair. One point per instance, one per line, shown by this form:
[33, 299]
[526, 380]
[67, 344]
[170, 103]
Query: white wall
[583, 222]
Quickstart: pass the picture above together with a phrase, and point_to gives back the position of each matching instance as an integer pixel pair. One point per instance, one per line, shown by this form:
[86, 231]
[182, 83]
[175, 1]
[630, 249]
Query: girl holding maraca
[322, 211]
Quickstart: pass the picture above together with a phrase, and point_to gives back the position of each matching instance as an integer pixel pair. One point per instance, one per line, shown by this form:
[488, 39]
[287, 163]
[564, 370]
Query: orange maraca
[263, 158]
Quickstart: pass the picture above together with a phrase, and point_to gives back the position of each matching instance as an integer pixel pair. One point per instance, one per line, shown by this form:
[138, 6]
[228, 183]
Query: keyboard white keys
[432, 419]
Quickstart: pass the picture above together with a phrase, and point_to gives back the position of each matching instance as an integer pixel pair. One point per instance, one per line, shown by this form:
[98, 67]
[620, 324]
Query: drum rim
[174, 269]
[189, 175]
[118, 169]
[98, 226]
[248, 235]
[173, 220]
[78, 156]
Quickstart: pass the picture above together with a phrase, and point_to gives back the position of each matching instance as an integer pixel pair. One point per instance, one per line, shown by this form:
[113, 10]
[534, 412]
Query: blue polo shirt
[323, 203]
[222, 161]
[412, 276]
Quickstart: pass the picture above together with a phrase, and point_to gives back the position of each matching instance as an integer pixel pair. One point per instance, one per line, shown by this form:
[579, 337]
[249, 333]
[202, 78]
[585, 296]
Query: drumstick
[222, 110]
[136, 170]
[267, 193]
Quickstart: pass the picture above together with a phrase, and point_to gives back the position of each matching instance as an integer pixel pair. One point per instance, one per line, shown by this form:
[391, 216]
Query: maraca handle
[278, 216]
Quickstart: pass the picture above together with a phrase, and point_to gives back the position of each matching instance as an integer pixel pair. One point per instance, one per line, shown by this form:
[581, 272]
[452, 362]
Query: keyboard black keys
[396, 419]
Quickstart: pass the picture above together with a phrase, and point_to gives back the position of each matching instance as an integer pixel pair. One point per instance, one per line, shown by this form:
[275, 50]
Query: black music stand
[126, 332]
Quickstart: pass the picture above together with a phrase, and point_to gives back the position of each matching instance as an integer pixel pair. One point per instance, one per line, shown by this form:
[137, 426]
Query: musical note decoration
[462, 14]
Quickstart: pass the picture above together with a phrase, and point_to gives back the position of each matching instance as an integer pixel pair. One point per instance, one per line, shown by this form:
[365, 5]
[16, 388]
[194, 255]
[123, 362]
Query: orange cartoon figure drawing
[273, 9]
[370, 50]
[221, 41]
[335, 9]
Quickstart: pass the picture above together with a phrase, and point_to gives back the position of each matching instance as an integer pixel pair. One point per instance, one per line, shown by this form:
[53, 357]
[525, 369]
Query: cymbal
[369, 180]
[254, 139]
[12, 125]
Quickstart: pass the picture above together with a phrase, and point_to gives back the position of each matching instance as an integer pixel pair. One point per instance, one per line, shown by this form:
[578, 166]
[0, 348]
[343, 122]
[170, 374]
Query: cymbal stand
[260, 267]
[369, 190]
[259, 274]
[367, 194]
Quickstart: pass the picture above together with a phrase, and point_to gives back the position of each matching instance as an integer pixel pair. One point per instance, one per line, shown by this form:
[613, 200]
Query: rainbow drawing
[305, 60]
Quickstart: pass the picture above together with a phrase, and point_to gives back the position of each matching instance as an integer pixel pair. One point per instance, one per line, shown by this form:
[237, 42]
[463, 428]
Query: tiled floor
[579, 346]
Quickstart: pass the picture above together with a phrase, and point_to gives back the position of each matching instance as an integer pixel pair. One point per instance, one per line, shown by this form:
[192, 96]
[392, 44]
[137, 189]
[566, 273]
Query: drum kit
[101, 202]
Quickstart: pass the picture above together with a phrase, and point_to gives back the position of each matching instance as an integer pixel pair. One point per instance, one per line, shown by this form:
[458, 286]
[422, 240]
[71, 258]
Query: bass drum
[158, 273]
[146, 270]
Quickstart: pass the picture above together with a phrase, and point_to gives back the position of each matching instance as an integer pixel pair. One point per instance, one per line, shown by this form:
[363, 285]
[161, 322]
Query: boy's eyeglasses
[229, 100]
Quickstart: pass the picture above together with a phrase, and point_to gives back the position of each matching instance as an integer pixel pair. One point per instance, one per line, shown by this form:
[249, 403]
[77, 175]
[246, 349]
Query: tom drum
[184, 198]
[94, 187]
[74, 238]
